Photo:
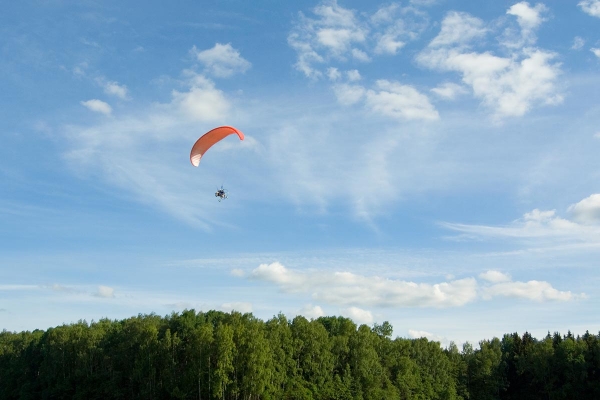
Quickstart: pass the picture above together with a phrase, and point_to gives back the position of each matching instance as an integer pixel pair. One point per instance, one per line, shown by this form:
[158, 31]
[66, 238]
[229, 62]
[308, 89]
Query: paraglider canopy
[208, 139]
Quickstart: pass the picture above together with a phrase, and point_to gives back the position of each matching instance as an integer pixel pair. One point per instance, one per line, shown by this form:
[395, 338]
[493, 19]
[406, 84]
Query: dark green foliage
[216, 355]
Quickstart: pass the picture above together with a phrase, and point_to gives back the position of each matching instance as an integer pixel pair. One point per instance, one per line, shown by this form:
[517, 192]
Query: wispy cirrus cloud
[544, 225]
[124, 149]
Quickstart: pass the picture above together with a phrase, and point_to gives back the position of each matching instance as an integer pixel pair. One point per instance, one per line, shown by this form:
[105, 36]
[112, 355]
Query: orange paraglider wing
[208, 139]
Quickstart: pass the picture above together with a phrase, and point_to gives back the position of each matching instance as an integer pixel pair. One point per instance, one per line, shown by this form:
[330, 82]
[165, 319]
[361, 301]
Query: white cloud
[348, 289]
[388, 44]
[508, 86]
[311, 312]
[494, 276]
[348, 94]
[587, 211]
[113, 88]
[242, 307]
[578, 43]
[596, 51]
[203, 102]
[395, 100]
[415, 334]
[449, 90]
[385, 14]
[360, 55]
[339, 40]
[353, 75]
[545, 226]
[337, 34]
[358, 315]
[534, 224]
[591, 7]
[532, 290]
[333, 74]
[97, 106]
[105, 292]
[222, 60]
[459, 28]
[528, 17]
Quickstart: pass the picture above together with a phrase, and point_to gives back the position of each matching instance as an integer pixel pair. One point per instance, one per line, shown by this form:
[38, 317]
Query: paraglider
[221, 194]
[205, 142]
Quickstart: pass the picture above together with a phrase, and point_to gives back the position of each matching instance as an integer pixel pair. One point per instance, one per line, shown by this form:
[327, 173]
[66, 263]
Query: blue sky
[433, 163]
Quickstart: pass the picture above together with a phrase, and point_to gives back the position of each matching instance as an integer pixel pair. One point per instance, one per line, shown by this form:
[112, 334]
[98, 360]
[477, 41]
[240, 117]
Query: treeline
[216, 355]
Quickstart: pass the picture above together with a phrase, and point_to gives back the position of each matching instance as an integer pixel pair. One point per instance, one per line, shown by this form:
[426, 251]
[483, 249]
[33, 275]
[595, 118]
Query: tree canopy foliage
[217, 355]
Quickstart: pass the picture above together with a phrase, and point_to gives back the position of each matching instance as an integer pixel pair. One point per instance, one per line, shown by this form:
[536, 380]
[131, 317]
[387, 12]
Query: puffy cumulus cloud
[311, 312]
[236, 306]
[105, 292]
[222, 60]
[591, 7]
[203, 101]
[596, 51]
[98, 106]
[348, 289]
[395, 100]
[587, 211]
[449, 90]
[356, 292]
[539, 291]
[494, 276]
[358, 315]
[528, 17]
[509, 86]
[337, 34]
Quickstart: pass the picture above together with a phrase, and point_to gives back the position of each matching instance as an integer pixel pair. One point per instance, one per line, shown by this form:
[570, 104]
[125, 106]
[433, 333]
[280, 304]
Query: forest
[217, 355]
